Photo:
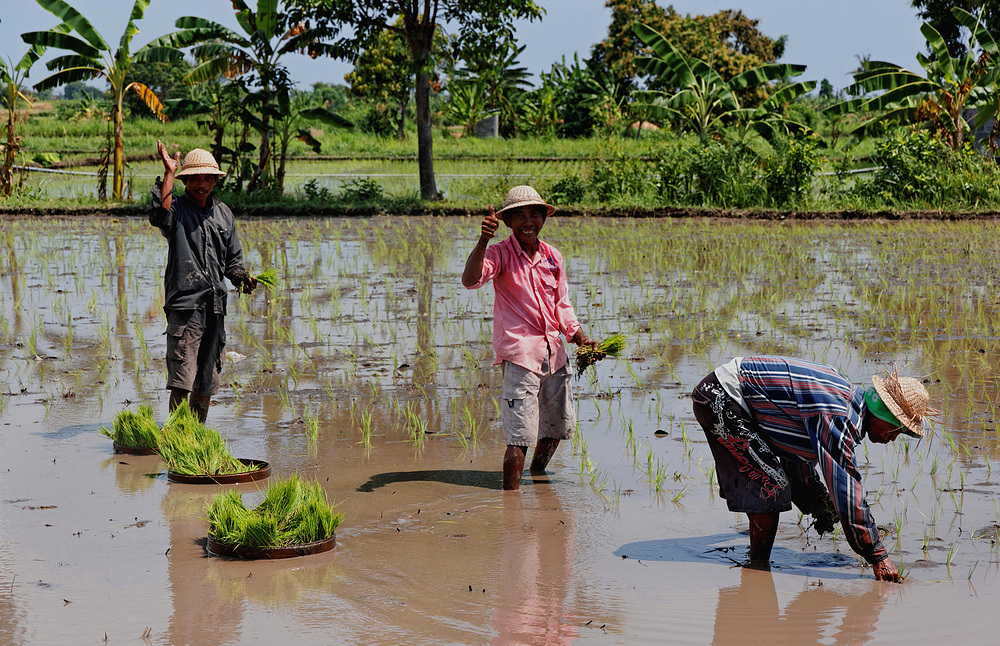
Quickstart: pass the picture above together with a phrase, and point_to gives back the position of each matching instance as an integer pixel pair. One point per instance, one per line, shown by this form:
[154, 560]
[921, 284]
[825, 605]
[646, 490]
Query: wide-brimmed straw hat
[199, 162]
[524, 196]
[907, 399]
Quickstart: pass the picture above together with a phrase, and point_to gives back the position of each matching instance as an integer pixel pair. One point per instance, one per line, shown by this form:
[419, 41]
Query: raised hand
[490, 224]
[170, 164]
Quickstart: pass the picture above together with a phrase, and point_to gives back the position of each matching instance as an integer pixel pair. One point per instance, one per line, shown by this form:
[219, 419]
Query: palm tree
[704, 100]
[92, 58]
[222, 51]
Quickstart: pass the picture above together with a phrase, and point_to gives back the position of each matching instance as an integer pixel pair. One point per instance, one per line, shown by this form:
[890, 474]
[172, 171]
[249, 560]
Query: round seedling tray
[134, 450]
[258, 471]
[244, 552]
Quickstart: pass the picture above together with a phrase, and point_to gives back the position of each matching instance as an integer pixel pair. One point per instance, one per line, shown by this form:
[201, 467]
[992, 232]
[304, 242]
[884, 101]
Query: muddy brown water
[625, 541]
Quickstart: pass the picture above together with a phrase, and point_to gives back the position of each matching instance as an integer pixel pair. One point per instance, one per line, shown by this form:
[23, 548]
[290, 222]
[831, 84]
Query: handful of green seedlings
[587, 356]
[135, 429]
[190, 448]
[293, 512]
[268, 278]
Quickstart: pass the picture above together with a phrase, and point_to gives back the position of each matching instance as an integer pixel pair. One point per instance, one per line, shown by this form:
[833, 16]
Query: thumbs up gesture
[490, 224]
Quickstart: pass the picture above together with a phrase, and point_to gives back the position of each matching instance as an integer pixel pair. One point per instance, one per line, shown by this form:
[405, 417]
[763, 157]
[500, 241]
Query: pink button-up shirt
[530, 305]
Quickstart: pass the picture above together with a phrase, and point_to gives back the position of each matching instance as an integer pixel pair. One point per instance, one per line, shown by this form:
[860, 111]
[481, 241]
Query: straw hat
[199, 162]
[524, 196]
[907, 399]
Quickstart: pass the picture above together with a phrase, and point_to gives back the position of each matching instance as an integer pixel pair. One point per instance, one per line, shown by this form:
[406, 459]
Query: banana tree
[290, 126]
[986, 97]
[704, 101]
[91, 57]
[258, 52]
[13, 76]
[905, 97]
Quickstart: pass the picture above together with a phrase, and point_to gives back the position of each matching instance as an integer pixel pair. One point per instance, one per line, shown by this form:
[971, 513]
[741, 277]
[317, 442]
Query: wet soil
[624, 541]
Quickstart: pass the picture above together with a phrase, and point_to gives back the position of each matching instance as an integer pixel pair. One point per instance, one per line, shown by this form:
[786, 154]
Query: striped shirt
[811, 415]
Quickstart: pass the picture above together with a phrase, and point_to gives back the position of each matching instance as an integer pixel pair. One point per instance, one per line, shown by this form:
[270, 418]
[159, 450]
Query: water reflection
[534, 570]
[200, 615]
[750, 613]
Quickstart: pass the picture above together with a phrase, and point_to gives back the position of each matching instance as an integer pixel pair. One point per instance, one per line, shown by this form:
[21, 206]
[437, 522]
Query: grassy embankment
[662, 173]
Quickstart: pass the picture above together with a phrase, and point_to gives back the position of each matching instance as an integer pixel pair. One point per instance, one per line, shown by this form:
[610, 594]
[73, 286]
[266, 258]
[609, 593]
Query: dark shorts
[751, 477]
[196, 343]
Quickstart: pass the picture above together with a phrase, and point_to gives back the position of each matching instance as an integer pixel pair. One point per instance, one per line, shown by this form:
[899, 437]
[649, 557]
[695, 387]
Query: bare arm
[170, 166]
[474, 265]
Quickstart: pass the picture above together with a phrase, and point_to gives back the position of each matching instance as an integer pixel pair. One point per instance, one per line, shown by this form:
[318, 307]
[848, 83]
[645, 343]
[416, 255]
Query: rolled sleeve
[835, 453]
[491, 267]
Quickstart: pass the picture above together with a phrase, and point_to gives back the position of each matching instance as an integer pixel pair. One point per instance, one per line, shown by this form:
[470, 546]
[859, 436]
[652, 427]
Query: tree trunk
[425, 138]
[118, 173]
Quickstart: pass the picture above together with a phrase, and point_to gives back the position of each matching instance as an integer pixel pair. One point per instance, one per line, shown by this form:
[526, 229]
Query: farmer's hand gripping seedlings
[531, 308]
[587, 355]
[202, 249]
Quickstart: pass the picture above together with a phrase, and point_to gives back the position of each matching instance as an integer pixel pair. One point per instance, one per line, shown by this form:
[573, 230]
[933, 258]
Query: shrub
[361, 189]
[619, 179]
[789, 173]
[916, 168]
[568, 189]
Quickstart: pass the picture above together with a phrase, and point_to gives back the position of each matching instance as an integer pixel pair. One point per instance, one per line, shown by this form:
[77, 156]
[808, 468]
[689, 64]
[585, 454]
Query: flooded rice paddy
[370, 370]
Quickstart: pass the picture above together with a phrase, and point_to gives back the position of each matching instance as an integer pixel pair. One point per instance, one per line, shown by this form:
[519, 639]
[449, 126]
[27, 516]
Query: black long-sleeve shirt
[203, 248]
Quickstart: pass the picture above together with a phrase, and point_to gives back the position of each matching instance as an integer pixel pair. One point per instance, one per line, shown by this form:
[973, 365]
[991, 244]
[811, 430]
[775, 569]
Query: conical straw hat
[524, 196]
[199, 162]
[907, 399]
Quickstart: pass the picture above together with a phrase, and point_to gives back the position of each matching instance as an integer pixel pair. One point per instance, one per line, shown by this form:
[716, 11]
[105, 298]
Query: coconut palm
[704, 101]
[258, 52]
[90, 58]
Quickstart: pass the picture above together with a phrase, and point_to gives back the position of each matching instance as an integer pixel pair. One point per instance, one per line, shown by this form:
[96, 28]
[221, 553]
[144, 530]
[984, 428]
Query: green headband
[878, 408]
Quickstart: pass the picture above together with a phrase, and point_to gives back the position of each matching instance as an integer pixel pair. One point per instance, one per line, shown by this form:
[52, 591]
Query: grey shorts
[534, 406]
[196, 341]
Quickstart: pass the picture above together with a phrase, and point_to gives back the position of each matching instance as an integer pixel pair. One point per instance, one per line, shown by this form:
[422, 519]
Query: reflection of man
[771, 420]
[748, 614]
[534, 572]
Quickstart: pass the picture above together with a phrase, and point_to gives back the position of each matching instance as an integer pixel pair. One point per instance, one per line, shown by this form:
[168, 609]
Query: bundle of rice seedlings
[191, 448]
[268, 278]
[135, 429]
[293, 512]
[587, 356]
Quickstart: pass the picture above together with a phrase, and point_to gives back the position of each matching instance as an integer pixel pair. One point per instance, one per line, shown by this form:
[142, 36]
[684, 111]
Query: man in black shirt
[203, 248]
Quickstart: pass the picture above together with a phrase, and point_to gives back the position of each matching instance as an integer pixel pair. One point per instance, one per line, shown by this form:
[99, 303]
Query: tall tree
[93, 58]
[478, 26]
[938, 14]
[383, 75]
[728, 40]
[268, 34]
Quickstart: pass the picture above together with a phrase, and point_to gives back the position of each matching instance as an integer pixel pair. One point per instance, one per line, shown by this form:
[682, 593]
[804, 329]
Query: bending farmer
[530, 309]
[771, 420]
[202, 247]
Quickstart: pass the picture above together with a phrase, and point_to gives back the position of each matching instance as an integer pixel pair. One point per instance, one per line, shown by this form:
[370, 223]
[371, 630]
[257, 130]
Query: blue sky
[827, 36]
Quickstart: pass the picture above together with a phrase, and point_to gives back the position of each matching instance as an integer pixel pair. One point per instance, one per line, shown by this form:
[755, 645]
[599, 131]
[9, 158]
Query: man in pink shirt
[531, 309]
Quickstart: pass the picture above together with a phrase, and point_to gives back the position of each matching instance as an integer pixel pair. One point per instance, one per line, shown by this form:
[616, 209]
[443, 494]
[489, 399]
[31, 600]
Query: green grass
[134, 429]
[293, 512]
[191, 448]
